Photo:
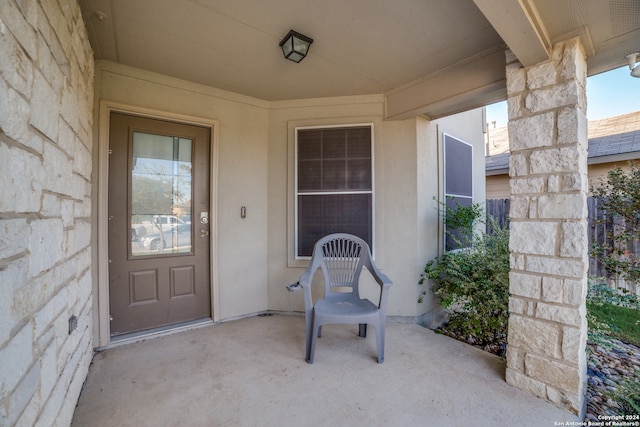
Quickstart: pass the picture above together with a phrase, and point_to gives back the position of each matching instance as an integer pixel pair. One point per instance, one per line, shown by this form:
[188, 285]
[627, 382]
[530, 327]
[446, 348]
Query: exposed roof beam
[520, 26]
[473, 83]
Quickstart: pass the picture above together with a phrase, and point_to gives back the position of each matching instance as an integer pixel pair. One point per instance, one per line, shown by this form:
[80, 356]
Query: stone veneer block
[573, 64]
[556, 374]
[524, 382]
[517, 165]
[538, 238]
[519, 207]
[524, 285]
[535, 335]
[516, 78]
[541, 75]
[14, 113]
[574, 240]
[554, 266]
[562, 206]
[531, 132]
[572, 342]
[574, 291]
[14, 238]
[558, 313]
[574, 182]
[554, 160]
[527, 185]
[516, 261]
[515, 357]
[572, 126]
[514, 107]
[516, 305]
[552, 97]
[552, 289]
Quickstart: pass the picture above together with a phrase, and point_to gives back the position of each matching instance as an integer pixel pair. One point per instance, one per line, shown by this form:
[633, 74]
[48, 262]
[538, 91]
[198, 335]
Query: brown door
[159, 262]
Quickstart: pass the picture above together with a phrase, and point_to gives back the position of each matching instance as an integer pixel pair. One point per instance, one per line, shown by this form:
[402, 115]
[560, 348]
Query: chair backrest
[341, 257]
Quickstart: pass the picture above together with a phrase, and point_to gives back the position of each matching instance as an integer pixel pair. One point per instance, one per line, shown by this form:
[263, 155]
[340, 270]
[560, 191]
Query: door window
[161, 193]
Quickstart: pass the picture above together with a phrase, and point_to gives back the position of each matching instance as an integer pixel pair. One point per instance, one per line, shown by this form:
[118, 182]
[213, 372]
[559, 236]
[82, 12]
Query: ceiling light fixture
[295, 46]
[633, 57]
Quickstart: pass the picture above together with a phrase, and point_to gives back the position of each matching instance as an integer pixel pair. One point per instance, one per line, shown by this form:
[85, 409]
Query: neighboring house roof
[496, 165]
[611, 139]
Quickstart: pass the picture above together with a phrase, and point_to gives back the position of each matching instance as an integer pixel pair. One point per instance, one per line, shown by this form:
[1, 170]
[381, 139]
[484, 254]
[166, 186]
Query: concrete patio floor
[251, 372]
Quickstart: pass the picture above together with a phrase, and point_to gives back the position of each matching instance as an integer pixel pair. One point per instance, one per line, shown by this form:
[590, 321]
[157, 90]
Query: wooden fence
[598, 230]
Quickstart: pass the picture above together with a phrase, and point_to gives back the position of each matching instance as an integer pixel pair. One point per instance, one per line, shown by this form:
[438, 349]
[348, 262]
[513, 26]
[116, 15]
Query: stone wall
[46, 102]
[548, 216]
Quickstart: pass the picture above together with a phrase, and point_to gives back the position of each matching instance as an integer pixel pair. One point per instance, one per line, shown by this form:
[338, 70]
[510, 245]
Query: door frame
[102, 332]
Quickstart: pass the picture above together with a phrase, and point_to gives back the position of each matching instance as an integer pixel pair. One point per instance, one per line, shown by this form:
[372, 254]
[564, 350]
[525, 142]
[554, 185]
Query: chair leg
[312, 345]
[362, 332]
[319, 331]
[307, 336]
[380, 341]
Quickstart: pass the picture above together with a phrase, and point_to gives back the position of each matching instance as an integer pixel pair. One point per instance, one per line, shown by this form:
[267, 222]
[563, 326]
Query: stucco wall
[255, 157]
[46, 96]
[467, 127]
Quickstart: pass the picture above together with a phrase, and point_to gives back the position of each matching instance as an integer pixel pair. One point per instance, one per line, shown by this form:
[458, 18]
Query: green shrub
[473, 283]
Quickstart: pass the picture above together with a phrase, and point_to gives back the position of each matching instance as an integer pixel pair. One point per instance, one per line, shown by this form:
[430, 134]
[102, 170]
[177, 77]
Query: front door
[159, 260]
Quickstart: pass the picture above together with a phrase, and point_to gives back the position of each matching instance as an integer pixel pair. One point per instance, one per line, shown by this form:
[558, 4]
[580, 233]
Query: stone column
[549, 248]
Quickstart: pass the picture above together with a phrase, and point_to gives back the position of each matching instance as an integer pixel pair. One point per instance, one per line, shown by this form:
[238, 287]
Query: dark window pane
[333, 144]
[309, 175]
[334, 175]
[359, 174]
[359, 142]
[309, 146]
[336, 213]
[458, 167]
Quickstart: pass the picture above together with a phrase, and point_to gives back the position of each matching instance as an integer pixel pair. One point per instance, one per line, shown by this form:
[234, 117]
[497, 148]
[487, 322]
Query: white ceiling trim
[520, 26]
[484, 74]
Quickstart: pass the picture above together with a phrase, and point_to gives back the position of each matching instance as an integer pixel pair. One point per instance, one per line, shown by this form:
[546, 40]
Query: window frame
[297, 192]
[446, 135]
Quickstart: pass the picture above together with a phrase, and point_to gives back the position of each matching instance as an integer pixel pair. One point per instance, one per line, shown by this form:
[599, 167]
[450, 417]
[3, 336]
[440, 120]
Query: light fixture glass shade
[295, 46]
[633, 57]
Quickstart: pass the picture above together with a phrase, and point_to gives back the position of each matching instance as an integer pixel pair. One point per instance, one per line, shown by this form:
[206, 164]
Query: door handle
[204, 233]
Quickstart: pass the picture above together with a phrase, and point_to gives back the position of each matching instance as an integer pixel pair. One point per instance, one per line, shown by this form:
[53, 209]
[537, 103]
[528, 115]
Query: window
[334, 184]
[458, 178]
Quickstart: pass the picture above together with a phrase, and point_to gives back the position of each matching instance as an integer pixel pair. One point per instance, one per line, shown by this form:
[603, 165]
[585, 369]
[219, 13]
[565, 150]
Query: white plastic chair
[341, 257]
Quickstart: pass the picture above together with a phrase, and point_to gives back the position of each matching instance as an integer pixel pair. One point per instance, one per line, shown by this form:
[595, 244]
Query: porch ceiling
[427, 56]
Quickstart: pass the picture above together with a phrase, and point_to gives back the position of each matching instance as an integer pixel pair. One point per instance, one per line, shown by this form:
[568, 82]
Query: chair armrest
[384, 282]
[306, 278]
[305, 285]
[379, 277]
[294, 287]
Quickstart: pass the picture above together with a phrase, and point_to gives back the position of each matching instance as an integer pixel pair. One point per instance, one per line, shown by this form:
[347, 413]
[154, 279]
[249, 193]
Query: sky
[609, 94]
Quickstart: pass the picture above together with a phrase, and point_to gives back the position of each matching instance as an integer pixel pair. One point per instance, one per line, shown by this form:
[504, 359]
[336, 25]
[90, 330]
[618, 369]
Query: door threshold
[133, 337]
